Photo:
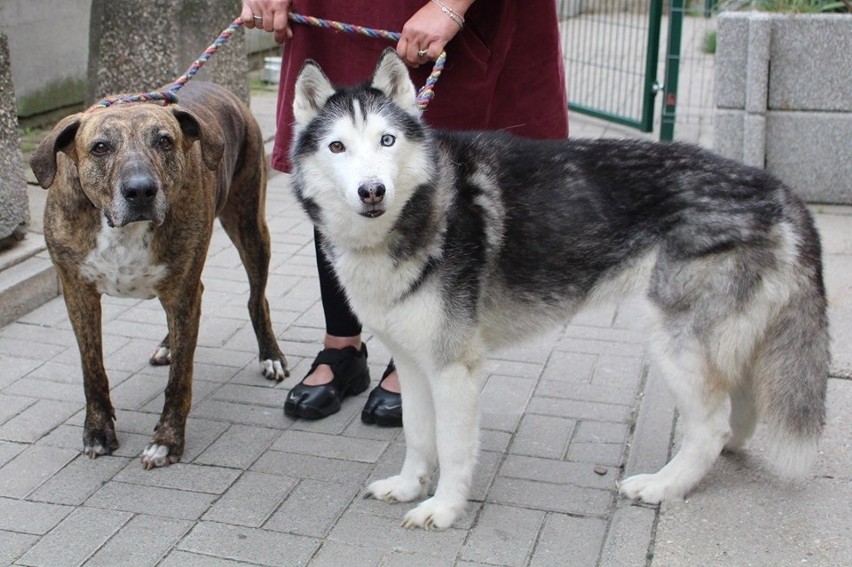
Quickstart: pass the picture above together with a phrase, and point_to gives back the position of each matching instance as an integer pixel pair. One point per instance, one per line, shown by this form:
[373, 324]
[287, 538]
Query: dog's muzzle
[139, 198]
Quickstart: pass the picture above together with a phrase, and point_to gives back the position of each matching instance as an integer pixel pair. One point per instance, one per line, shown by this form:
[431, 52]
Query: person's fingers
[270, 15]
[403, 47]
[281, 25]
[247, 15]
[434, 50]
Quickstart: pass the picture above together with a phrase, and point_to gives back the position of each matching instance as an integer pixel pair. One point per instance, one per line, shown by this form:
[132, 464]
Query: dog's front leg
[455, 394]
[419, 428]
[84, 310]
[183, 311]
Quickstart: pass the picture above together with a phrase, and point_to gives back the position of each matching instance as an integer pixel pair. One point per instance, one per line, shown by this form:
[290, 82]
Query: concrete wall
[49, 48]
[48, 44]
[142, 46]
[14, 210]
[783, 98]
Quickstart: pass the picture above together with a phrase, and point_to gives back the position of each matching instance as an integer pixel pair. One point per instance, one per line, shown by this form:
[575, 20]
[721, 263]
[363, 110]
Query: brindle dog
[134, 191]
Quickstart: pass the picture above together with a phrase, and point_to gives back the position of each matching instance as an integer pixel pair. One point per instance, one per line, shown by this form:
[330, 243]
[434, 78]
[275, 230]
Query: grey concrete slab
[504, 536]
[75, 539]
[569, 540]
[27, 517]
[79, 479]
[252, 499]
[259, 547]
[158, 501]
[325, 501]
[31, 468]
[13, 545]
[144, 540]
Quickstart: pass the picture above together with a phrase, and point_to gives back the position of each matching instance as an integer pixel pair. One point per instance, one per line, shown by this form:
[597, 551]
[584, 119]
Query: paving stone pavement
[563, 418]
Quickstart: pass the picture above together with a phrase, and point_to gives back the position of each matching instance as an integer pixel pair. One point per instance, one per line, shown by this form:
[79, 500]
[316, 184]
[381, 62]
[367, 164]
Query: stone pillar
[14, 208]
[141, 46]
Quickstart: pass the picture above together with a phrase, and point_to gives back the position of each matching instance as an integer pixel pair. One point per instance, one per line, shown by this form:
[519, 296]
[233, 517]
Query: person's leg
[342, 328]
[339, 319]
[340, 369]
[384, 405]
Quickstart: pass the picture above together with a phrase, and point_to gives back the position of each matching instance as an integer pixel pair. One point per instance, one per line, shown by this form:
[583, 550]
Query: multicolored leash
[167, 95]
[426, 92]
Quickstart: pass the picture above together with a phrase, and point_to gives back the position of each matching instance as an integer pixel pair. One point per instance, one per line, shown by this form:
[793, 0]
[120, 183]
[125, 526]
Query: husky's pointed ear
[391, 77]
[312, 90]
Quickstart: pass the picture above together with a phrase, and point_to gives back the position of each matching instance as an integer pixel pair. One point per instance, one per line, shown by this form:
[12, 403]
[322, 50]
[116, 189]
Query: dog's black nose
[371, 193]
[139, 190]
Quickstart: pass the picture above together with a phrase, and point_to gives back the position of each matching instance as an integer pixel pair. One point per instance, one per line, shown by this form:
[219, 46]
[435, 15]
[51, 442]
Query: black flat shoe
[351, 376]
[383, 408]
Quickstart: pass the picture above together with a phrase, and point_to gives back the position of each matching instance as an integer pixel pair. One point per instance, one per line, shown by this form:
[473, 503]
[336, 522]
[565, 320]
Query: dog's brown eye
[100, 148]
[336, 147]
[165, 143]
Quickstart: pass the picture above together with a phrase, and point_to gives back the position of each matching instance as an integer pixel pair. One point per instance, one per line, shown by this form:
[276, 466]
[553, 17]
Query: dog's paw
[162, 356]
[99, 442]
[156, 455]
[434, 514]
[649, 488]
[274, 369]
[397, 489]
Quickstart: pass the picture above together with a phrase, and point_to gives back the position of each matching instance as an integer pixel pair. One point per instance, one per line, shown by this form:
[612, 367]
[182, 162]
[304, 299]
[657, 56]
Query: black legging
[339, 319]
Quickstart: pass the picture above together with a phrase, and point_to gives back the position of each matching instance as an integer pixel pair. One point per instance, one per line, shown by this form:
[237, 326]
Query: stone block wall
[48, 42]
[784, 101]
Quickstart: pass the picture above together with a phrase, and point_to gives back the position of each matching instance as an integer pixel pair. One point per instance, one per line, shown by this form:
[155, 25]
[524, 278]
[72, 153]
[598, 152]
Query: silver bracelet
[454, 16]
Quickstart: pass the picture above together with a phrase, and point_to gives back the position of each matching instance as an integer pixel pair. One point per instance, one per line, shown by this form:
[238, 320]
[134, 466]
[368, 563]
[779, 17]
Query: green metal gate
[611, 50]
[619, 54]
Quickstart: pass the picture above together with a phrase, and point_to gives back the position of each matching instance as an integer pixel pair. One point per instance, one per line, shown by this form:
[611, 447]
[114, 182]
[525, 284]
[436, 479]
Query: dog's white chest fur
[120, 263]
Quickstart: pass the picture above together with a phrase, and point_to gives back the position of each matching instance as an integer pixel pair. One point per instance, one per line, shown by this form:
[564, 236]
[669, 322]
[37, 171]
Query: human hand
[429, 30]
[268, 15]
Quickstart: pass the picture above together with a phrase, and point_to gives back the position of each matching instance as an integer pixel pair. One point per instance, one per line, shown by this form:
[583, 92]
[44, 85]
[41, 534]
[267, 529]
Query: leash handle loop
[426, 92]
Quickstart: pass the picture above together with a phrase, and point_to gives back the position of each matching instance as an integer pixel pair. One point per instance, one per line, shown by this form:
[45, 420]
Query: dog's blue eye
[336, 147]
[388, 140]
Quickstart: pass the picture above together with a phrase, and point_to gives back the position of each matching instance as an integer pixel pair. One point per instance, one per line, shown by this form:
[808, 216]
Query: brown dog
[134, 191]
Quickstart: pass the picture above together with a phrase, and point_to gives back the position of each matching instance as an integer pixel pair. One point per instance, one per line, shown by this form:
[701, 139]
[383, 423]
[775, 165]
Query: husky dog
[450, 244]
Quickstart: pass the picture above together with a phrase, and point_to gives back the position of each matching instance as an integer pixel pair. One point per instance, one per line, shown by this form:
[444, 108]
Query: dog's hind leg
[704, 406]
[743, 418]
[244, 222]
[455, 392]
[162, 355]
[420, 449]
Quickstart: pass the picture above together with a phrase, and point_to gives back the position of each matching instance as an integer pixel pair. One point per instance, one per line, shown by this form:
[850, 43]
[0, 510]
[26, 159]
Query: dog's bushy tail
[792, 371]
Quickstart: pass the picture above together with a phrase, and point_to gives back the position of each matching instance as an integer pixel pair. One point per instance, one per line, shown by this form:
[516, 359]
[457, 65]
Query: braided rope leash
[426, 92]
[167, 95]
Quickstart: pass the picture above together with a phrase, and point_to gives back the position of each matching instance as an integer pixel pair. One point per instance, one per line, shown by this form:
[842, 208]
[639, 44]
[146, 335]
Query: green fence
[611, 50]
[620, 54]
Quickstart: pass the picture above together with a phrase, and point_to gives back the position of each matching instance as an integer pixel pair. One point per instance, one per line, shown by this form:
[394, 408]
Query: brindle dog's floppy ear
[391, 77]
[210, 136]
[60, 139]
[313, 88]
